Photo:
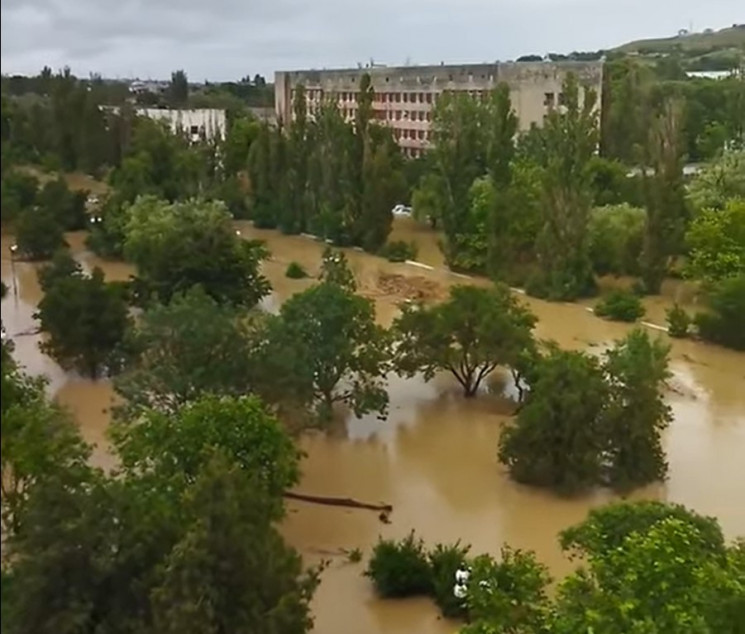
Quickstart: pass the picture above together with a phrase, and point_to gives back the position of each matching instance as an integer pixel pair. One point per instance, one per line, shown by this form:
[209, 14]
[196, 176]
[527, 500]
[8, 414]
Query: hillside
[691, 45]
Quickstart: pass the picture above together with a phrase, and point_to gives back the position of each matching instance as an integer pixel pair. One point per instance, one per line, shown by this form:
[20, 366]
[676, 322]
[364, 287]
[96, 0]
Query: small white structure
[207, 123]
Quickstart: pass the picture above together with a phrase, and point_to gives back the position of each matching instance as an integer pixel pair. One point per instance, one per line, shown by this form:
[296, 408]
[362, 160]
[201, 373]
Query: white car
[401, 210]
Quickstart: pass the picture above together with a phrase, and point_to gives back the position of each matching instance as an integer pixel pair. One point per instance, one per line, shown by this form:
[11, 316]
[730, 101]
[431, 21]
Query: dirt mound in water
[405, 287]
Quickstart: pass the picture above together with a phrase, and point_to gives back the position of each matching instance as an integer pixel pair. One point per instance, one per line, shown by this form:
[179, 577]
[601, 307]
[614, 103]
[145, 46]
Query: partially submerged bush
[400, 568]
[724, 322]
[678, 322]
[295, 271]
[444, 561]
[620, 305]
[399, 251]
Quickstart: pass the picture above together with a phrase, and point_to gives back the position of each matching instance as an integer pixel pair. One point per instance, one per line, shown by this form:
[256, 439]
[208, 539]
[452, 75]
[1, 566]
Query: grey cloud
[225, 39]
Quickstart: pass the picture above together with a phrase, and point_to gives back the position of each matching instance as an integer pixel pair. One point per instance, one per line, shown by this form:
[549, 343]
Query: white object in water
[462, 575]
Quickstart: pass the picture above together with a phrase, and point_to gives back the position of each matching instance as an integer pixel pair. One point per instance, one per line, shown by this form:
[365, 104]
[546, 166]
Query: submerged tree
[325, 340]
[191, 347]
[636, 414]
[470, 335]
[86, 319]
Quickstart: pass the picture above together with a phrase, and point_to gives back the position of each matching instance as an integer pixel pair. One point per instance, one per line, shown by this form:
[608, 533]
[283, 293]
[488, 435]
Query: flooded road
[434, 459]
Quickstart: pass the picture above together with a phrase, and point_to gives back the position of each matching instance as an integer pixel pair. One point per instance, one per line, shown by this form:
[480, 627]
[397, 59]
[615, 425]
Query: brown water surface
[434, 459]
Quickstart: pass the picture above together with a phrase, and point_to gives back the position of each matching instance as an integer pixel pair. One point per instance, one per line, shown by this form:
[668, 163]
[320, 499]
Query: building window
[562, 99]
[406, 97]
[428, 97]
[194, 129]
[421, 134]
[404, 133]
[398, 115]
[429, 116]
[548, 99]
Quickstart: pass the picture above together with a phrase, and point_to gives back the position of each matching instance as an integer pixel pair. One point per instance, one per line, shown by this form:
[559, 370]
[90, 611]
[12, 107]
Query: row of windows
[393, 97]
[393, 115]
[420, 135]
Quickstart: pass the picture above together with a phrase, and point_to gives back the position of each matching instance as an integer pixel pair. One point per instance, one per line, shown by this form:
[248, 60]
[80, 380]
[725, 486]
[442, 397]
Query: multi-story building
[405, 96]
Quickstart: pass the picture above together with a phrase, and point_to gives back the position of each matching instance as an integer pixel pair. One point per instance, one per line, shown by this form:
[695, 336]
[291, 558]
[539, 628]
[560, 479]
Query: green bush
[444, 561]
[678, 322]
[295, 271]
[400, 569]
[399, 251]
[615, 236]
[724, 323]
[620, 305]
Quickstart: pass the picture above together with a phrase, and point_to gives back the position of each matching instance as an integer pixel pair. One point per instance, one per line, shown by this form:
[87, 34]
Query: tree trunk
[332, 501]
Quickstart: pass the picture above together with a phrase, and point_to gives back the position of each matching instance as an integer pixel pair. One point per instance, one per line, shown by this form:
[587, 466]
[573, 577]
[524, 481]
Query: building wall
[208, 122]
[404, 97]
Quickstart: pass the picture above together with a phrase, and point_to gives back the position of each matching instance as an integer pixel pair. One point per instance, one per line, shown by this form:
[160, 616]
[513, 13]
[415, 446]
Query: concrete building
[405, 96]
[196, 124]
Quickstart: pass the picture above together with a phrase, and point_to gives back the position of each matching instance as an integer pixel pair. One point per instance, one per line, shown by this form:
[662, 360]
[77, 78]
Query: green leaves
[469, 335]
[193, 243]
[586, 423]
[85, 318]
[716, 238]
[192, 346]
[326, 342]
[181, 443]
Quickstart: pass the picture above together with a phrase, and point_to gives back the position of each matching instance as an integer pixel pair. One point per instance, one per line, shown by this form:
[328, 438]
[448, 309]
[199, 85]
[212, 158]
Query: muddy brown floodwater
[434, 459]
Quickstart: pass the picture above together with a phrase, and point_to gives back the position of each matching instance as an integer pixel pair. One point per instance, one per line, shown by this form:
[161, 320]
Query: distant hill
[690, 44]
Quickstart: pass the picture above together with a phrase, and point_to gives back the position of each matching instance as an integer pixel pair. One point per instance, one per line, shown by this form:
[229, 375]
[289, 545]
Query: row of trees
[201, 332]
[176, 539]
[327, 176]
[646, 567]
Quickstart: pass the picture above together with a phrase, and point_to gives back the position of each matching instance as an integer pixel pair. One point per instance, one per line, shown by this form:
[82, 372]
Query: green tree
[636, 414]
[459, 157]
[18, 193]
[722, 322]
[556, 439]
[335, 269]
[688, 589]
[190, 347]
[719, 181]
[85, 319]
[508, 595]
[38, 234]
[616, 235]
[193, 243]
[62, 266]
[500, 152]
[470, 335]
[716, 239]
[606, 528]
[178, 89]
[327, 339]
[570, 134]
[664, 195]
[178, 445]
[66, 206]
[230, 570]
[40, 442]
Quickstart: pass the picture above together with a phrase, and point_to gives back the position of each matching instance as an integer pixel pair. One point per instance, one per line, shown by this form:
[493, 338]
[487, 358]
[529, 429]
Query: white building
[208, 123]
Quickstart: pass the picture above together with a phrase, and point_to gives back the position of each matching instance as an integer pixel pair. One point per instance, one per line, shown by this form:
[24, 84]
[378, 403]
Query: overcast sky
[227, 39]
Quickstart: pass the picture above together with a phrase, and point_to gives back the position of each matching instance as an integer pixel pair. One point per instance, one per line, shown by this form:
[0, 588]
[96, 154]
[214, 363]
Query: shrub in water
[723, 322]
[295, 271]
[444, 561]
[400, 569]
[678, 322]
[620, 306]
[399, 251]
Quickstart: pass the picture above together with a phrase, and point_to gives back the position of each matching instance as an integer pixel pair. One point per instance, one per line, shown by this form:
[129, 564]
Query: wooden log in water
[331, 501]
